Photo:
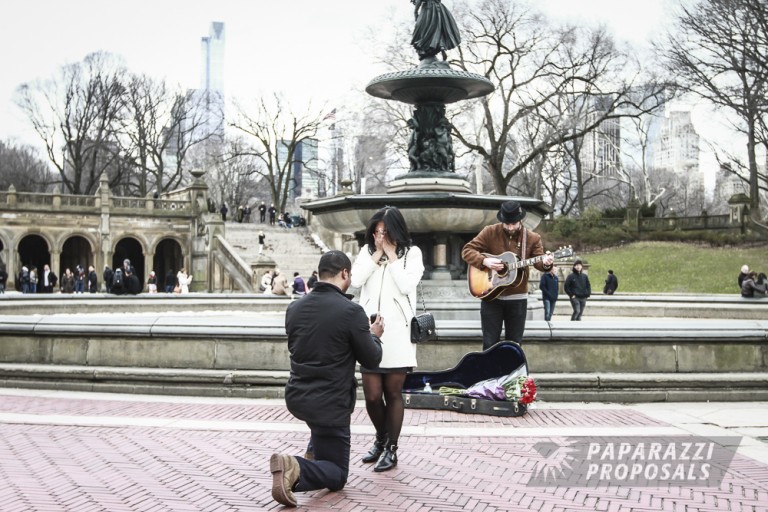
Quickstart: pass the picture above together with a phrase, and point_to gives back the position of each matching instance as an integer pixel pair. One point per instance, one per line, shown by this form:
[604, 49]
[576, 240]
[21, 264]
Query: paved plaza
[66, 451]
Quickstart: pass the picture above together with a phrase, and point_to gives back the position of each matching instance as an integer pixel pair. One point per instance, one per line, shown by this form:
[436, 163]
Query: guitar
[488, 284]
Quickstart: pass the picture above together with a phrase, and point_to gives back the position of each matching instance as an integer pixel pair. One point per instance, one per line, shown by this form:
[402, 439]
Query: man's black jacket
[327, 333]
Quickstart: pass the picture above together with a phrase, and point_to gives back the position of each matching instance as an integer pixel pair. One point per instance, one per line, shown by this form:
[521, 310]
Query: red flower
[528, 391]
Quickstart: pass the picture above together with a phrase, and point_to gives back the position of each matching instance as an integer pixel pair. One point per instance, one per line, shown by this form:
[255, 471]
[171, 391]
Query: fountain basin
[425, 212]
[429, 84]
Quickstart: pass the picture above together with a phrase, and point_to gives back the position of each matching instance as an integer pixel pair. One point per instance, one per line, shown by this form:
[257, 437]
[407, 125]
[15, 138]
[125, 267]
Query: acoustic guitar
[488, 284]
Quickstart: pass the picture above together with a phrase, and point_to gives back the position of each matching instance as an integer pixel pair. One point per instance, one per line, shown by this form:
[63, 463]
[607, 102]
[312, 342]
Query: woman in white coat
[184, 280]
[388, 270]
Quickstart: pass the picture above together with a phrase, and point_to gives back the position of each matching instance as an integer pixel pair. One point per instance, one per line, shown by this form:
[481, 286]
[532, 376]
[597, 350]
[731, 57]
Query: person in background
[549, 286]
[32, 279]
[752, 286]
[262, 212]
[262, 239]
[743, 274]
[266, 282]
[93, 280]
[24, 279]
[107, 275]
[49, 279]
[3, 278]
[223, 210]
[68, 282]
[510, 308]
[272, 212]
[184, 280]
[327, 335]
[578, 289]
[152, 282]
[79, 279]
[279, 284]
[170, 281]
[388, 270]
[299, 286]
[311, 281]
[611, 283]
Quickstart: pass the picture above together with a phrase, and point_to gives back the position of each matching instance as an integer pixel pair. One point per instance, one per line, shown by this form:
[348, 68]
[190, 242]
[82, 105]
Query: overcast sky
[302, 46]
[310, 48]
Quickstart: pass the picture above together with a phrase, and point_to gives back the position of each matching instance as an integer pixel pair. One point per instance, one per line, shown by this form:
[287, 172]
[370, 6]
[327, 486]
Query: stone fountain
[437, 203]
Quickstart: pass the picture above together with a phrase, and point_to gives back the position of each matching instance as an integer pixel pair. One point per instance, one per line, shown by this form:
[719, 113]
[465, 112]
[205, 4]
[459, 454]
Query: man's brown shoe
[285, 473]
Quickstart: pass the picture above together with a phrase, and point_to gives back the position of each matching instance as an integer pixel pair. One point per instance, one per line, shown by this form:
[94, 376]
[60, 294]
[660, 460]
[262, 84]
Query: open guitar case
[501, 359]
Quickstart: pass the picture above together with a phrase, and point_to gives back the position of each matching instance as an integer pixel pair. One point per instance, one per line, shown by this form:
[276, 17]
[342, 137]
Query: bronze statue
[435, 30]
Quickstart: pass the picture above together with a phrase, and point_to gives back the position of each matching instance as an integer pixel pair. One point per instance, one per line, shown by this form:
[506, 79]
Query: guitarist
[511, 306]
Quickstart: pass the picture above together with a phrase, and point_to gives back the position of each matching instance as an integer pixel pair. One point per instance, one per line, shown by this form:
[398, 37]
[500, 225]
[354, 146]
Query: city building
[675, 147]
[212, 78]
[307, 181]
[600, 152]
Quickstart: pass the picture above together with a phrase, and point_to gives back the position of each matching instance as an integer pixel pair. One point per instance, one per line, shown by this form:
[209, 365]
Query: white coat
[390, 289]
[184, 281]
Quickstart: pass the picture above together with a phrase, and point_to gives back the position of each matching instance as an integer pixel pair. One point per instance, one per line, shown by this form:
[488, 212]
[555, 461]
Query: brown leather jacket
[492, 240]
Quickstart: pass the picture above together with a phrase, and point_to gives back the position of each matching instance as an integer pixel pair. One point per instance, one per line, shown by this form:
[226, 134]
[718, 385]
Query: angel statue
[435, 30]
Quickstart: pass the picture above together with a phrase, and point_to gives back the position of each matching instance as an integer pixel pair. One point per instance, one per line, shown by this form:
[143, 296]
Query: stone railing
[238, 270]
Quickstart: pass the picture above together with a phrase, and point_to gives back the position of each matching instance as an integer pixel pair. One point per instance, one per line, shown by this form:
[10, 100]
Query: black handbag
[423, 325]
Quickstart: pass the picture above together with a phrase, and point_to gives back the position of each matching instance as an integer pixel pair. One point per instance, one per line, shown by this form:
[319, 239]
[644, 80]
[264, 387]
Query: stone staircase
[293, 250]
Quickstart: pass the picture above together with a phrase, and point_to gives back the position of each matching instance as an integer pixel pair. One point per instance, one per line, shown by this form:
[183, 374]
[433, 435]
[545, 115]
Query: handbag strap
[420, 292]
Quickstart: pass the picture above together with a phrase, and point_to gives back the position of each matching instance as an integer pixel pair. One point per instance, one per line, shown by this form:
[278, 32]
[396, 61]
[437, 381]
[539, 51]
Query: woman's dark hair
[397, 229]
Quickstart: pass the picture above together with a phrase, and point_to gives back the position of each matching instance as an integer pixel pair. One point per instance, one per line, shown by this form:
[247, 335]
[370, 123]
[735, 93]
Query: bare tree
[77, 115]
[22, 167]
[160, 126]
[547, 80]
[718, 52]
[274, 132]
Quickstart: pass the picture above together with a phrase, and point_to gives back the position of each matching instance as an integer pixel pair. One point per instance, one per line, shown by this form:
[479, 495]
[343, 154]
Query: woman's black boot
[376, 450]
[388, 459]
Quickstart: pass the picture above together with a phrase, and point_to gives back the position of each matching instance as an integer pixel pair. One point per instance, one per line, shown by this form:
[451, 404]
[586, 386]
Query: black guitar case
[501, 359]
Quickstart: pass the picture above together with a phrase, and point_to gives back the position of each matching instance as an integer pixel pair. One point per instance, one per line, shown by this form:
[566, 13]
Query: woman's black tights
[384, 403]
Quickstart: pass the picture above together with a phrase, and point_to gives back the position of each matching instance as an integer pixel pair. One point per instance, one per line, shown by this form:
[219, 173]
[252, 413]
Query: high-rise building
[305, 175]
[601, 148]
[212, 78]
[676, 147]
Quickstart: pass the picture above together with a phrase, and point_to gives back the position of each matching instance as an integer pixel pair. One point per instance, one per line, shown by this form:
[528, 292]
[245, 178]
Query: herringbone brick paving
[58, 467]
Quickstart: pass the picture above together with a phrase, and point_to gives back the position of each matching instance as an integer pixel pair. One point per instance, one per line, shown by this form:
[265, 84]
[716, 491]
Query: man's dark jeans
[512, 313]
[329, 470]
[578, 305]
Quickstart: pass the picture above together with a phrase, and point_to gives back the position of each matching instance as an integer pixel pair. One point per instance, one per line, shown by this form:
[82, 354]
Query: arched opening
[33, 253]
[168, 258]
[130, 248]
[76, 251]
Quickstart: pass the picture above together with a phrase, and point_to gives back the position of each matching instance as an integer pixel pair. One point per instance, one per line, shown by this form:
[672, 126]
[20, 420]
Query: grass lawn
[669, 267]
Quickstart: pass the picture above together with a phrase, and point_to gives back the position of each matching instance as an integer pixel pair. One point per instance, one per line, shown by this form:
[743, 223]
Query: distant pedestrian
[578, 289]
[279, 284]
[170, 281]
[184, 280]
[247, 218]
[223, 212]
[311, 281]
[262, 238]
[33, 279]
[152, 282]
[48, 280]
[68, 282]
[107, 275]
[272, 211]
[79, 279]
[24, 279]
[549, 286]
[93, 280]
[3, 278]
[262, 212]
[266, 282]
[611, 283]
[743, 274]
[752, 286]
[299, 286]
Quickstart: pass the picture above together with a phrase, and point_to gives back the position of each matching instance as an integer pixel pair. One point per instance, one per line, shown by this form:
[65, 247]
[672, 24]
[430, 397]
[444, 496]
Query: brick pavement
[58, 466]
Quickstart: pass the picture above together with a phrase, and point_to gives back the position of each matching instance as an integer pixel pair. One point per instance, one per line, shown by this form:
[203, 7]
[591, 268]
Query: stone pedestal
[434, 183]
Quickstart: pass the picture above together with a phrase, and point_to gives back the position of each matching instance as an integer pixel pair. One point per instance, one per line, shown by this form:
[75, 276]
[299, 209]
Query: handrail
[238, 269]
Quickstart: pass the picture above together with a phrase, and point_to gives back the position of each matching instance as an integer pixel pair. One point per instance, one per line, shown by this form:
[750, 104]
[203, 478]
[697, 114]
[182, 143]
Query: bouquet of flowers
[516, 387]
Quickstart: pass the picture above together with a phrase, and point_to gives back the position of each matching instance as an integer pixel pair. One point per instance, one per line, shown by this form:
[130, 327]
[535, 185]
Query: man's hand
[494, 264]
[547, 260]
[377, 327]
